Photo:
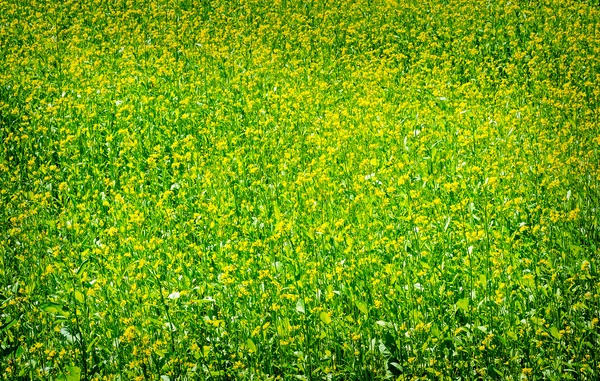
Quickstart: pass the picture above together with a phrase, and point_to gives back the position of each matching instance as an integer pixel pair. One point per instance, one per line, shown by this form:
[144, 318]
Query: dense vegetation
[315, 190]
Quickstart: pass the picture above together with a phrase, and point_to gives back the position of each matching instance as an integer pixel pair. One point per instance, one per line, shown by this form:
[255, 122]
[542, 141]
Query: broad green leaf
[73, 373]
[251, 345]
[300, 306]
[79, 296]
[54, 308]
[50, 307]
[463, 304]
[555, 333]
[362, 307]
[325, 317]
[383, 350]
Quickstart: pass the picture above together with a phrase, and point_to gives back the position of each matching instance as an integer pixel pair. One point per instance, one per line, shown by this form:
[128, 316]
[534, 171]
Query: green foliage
[361, 190]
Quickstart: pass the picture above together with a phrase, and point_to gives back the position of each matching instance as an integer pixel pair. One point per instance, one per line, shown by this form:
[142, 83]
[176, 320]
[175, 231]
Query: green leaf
[512, 335]
[73, 373]
[495, 372]
[300, 306]
[82, 266]
[325, 317]
[79, 296]
[92, 343]
[554, 332]
[7, 325]
[463, 304]
[362, 307]
[54, 308]
[155, 322]
[251, 345]
[277, 266]
[537, 321]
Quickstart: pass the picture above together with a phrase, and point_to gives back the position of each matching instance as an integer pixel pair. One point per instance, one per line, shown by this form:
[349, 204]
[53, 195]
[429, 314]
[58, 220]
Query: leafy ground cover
[315, 190]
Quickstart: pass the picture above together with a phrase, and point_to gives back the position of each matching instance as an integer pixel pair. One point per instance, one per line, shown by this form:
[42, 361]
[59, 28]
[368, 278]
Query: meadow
[299, 190]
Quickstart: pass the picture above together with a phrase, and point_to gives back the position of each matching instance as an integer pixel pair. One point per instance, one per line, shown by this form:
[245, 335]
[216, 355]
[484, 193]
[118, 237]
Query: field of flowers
[311, 190]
